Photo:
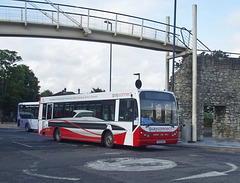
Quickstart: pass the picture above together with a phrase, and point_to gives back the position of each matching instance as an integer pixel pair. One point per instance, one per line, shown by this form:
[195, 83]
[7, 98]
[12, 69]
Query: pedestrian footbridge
[26, 18]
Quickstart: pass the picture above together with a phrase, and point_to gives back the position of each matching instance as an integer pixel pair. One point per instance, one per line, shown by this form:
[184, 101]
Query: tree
[18, 83]
[96, 90]
[46, 93]
[219, 54]
[21, 86]
[7, 60]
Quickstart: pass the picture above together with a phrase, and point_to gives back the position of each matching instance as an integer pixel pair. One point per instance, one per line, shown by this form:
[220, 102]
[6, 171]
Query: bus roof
[28, 103]
[94, 96]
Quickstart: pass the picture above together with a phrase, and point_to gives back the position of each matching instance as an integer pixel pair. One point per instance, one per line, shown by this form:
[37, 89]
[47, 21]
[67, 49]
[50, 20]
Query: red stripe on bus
[77, 126]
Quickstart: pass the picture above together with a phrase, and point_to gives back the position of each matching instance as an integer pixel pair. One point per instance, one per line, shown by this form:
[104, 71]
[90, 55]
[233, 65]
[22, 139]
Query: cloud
[233, 19]
[128, 61]
[60, 63]
[233, 43]
[231, 29]
[79, 64]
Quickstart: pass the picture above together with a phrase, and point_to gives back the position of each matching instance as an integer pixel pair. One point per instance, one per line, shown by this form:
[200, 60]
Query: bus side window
[128, 110]
[108, 113]
[58, 110]
[68, 109]
[96, 107]
[81, 106]
[44, 111]
[49, 111]
[125, 110]
[135, 109]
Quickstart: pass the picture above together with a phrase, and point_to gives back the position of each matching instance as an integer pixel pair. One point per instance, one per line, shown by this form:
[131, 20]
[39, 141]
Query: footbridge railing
[46, 12]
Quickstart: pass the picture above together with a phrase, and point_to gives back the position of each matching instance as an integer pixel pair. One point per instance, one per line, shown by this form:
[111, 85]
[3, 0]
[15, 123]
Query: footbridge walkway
[26, 18]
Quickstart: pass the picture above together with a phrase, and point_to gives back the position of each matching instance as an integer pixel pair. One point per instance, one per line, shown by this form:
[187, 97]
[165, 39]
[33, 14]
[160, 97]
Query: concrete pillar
[194, 76]
[167, 54]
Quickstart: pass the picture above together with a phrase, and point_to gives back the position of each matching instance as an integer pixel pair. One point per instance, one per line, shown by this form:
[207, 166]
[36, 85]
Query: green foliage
[208, 119]
[215, 54]
[21, 85]
[8, 59]
[18, 83]
[95, 90]
[46, 93]
[208, 116]
[178, 64]
[219, 54]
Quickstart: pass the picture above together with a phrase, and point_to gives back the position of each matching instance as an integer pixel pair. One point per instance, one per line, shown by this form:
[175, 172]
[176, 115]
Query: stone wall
[218, 86]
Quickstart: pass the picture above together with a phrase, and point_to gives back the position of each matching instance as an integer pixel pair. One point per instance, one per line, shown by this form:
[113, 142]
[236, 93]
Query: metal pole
[25, 13]
[116, 21]
[174, 35]
[167, 54]
[88, 19]
[57, 17]
[110, 84]
[110, 77]
[194, 76]
[142, 30]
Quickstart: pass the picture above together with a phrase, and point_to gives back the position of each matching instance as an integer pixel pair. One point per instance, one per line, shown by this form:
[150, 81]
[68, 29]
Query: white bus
[27, 115]
[137, 118]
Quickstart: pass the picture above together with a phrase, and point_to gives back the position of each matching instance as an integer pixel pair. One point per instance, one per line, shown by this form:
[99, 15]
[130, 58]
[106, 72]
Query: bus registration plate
[161, 141]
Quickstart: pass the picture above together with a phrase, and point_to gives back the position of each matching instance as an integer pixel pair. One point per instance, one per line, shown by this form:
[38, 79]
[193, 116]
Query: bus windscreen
[158, 108]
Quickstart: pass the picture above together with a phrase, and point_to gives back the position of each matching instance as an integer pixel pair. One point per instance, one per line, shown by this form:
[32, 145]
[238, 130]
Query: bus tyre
[27, 128]
[108, 140]
[57, 135]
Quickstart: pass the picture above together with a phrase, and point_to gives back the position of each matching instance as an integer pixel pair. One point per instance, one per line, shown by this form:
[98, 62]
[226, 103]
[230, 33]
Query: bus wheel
[27, 128]
[108, 140]
[57, 135]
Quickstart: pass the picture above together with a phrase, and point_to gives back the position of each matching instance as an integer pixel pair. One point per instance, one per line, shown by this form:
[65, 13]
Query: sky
[74, 65]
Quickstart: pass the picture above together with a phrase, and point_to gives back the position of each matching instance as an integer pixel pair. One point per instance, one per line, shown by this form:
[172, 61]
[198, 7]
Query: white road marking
[194, 155]
[130, 164]
[28, 172]
[33, 169]
[112, 153]
[34, 165]
[85, 145]
[211, 174]
[22, 144]
[234, 168]
[72, 145]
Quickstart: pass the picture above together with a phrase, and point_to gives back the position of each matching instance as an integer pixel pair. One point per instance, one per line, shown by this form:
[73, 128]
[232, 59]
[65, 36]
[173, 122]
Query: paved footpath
[207, 142]
[9, 125]
[214, 144]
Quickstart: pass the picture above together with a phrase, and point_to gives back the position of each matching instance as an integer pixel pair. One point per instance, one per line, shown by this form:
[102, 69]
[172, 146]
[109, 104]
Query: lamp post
[110, 77]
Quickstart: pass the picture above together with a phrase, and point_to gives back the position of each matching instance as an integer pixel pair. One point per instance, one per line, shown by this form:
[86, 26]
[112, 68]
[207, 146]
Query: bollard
[186, 131]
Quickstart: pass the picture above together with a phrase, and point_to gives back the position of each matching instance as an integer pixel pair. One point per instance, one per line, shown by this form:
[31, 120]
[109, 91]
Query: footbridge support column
[194, 76]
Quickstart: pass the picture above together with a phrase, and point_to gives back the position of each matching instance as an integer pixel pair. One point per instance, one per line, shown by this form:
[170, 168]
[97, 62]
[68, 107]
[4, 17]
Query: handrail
[200, 43]
[90, 18]
[46, 14]
[65, 14]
